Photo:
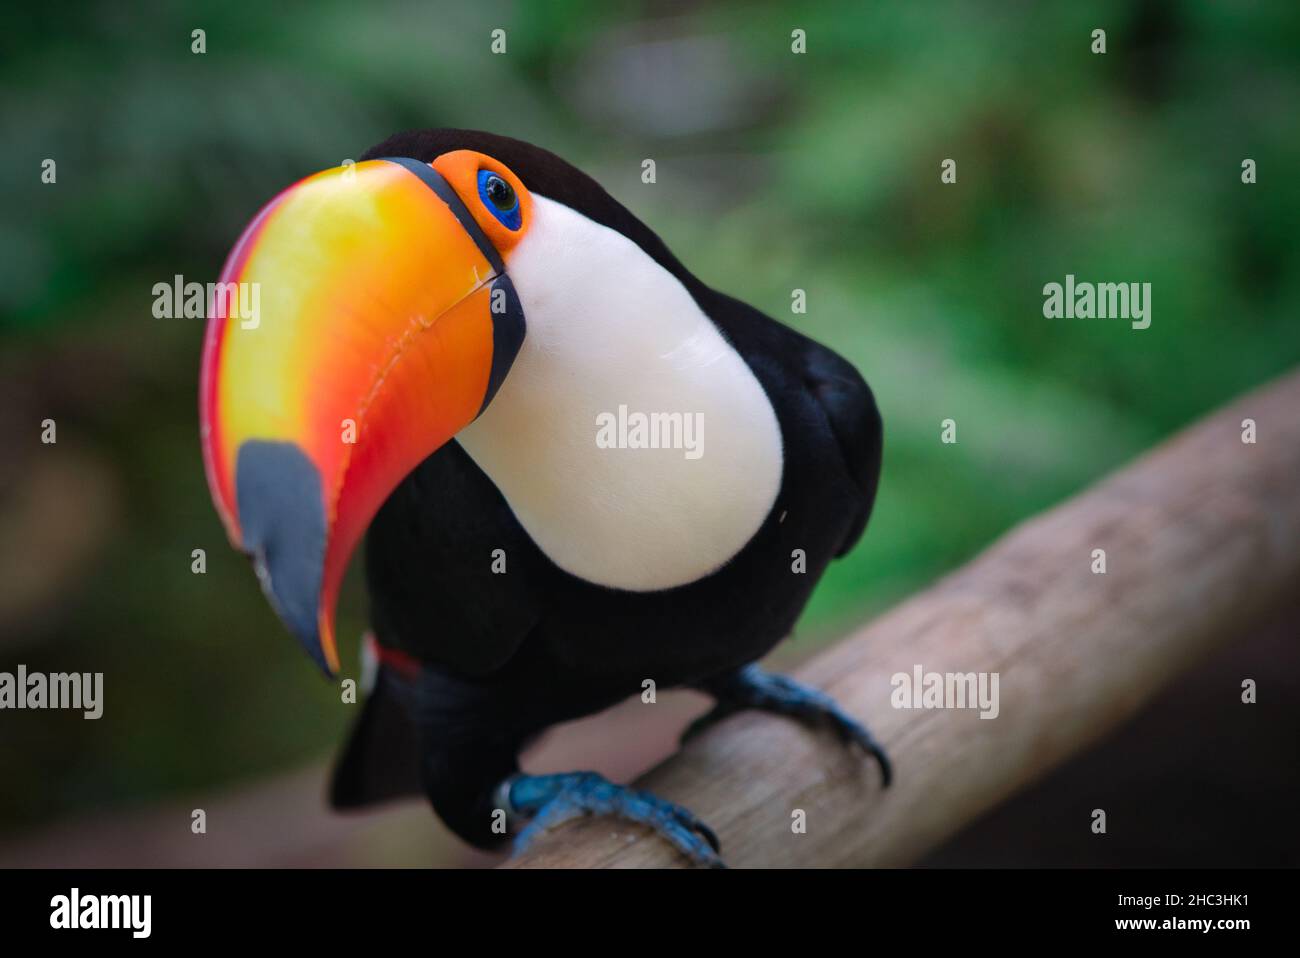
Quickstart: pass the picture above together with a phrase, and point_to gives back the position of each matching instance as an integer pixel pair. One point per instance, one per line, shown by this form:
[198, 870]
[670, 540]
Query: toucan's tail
[381, 759]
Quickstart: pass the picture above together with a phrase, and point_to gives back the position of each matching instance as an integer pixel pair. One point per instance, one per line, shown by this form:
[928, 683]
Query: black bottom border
[335, 907]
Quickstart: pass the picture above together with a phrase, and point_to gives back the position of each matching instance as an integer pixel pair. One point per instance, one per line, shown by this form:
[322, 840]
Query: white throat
[608, 327]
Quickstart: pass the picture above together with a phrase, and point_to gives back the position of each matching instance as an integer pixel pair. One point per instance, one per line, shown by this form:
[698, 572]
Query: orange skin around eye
[461, 168]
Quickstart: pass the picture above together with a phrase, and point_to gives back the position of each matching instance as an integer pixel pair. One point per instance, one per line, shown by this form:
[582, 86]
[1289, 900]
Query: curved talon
[684, 817]
[711, 837]
[855, 733]
[553, 799]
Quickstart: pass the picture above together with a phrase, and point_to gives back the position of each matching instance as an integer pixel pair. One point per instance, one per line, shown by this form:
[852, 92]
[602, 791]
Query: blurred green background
[775, 171]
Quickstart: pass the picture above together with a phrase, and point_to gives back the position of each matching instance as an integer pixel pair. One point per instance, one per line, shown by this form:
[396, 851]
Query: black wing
[855, 422]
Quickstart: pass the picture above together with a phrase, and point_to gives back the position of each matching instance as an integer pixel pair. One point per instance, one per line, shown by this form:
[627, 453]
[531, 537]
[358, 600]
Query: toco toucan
[576, 466]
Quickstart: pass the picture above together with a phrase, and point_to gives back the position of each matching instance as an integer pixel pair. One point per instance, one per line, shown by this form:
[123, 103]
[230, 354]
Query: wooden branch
[1202, 540]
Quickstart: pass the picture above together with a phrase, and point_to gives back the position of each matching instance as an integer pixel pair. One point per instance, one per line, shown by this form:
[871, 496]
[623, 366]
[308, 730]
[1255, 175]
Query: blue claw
[752, 688]
[552, 799]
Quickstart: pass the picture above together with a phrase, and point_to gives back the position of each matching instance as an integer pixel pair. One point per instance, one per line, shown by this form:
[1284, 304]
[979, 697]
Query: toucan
[474, 357]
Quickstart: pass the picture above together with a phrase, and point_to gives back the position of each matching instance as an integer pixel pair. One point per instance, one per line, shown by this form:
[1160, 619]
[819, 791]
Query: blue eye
[499, 197]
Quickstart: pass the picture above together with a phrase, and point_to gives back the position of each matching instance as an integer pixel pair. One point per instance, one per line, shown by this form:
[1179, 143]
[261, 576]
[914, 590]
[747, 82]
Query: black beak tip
[282, 522]
[307, 632]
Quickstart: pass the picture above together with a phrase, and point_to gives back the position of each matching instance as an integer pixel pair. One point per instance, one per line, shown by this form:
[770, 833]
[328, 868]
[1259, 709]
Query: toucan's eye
[499, 197]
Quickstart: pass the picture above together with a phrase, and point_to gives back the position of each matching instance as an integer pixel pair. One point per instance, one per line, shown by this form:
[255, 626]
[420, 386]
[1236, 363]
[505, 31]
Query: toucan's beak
[383, 323]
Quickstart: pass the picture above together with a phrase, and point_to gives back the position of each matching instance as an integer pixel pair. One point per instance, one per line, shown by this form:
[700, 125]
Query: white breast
[607, 327]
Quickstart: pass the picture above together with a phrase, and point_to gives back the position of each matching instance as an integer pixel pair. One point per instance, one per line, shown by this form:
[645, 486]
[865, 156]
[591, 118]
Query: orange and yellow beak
[383, 322]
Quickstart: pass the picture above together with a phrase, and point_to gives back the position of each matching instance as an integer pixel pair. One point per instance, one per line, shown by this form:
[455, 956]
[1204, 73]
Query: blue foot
[552, 799]
[752, 688]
